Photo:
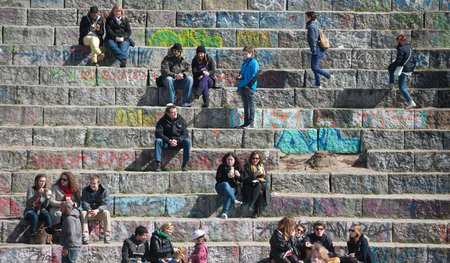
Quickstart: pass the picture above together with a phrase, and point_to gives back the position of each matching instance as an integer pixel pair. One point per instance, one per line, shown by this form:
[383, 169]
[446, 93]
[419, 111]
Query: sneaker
[169, 104]
[184, 168]
[186, 105]
[237, 203]
[224, 216]
[158, 167]
[410, 105]
[330, 80]
[107, 240]
[86, 240]
[100, 57]
[123, 63]
[255, 215]
[389, 85]
[250, 126]
[316, 87]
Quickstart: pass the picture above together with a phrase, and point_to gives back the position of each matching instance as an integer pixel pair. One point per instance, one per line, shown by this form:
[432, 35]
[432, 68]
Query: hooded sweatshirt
[71, 231]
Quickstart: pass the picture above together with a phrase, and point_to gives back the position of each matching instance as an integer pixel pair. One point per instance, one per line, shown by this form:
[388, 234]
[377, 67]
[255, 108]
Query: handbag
[160, 81]
[399, 69]
[42, 237]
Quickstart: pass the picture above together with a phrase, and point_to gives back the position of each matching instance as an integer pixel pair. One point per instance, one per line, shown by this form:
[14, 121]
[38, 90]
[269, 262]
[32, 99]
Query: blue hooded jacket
[249, 70]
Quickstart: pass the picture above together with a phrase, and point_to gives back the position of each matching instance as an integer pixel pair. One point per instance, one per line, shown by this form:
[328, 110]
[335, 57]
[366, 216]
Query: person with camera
[247, 86]
[91, 34]
[95, 205]
[256, 187]
[37, 202]
[203, 69]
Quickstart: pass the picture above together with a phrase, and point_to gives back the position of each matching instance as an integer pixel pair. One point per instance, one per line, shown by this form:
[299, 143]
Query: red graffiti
[123, 75]
[69, 160]
[86, 75]
[115, 159]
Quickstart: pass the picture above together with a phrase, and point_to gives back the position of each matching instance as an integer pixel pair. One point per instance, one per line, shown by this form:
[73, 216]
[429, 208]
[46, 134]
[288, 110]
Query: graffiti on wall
[186, 37]
[136, 117]
[297, 141]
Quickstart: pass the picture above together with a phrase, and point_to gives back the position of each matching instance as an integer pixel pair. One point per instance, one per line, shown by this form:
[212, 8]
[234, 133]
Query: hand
[93, 212]
[42, 191]
[231, 174]
[173, 142]
[351, 255]
[199, 78]
[308, 244]
[91, 28]
[179, 76]
[119, 39]
[176, 250]
[97, 27]
[206, 73]
[236, 172]
[65, 252]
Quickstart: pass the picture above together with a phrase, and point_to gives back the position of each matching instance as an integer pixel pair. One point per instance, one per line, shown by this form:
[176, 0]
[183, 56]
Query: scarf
[118, 20]
[159, 233]
[253, 170]
[67, 192]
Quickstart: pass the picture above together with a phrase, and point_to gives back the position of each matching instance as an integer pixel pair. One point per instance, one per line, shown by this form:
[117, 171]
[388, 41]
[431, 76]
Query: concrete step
[403, 206]
[409, 160]
[256, 230]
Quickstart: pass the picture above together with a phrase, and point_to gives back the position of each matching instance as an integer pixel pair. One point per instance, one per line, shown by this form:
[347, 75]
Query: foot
[184, 168]
[32, 238]
[107, 240]
[123, 63]
[186, 105]
[330, 80]
[255, 215]
[169, 104]
[389, 85]
[86, 240]
[158, 167]
[316, 87]
[237, 203]
[224, 216]
[205, 105]
[100, 57]
[94, 64]
[250, 126]
[410, 105]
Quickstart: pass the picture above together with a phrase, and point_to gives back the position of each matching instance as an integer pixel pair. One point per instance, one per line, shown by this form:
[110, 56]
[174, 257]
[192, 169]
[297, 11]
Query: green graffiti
[254, 38]
[407, 21]
[374, 6]
[440, 21]
[187, 37]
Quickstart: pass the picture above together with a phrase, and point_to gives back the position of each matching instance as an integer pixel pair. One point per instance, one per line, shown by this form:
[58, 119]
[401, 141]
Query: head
[66, 207]
[117, 11]
[286, 226]
[319, 228]
[354, 232]
[172, 112]
[310, 16]
[230, 160]
[319, 254]
[40, 181]
[141, 233]
[199, 236]
[94, 182]
[177, 49]
[68, 180]
[201, 53]
[300, 229]
[256, 158]
[247, 52]
[93, 12]
[167, 228]
[402, 40]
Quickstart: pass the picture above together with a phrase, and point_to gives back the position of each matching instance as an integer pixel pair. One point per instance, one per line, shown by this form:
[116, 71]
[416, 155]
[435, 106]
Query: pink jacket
[200, 254]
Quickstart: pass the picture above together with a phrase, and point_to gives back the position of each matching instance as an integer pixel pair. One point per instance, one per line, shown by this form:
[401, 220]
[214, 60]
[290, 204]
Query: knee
[187, 142]
[167, 81]
[106, 213]
[189, 80]
[158, 142]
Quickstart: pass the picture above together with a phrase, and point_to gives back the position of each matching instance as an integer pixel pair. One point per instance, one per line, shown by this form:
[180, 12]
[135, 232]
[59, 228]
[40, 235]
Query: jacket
[91, 200]
[249, 70]
[222, 176]
[32, 196]
[279, 247]
[172, 65]
[86, 23]
[160, 247]
[299, 247]
[113, 29]
[324, 240]
[249, 185]
[200, 253]
[211, 67]
[71, 231]
[133, 249]
[58, 195]
[167, 129]
[361, 249]
[403, 52]
[312, 36]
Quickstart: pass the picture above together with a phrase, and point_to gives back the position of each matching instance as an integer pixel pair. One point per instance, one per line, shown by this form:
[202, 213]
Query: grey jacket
[32, 196]
[95, 200]
[57, 197]
[71, 231]
[312, 36]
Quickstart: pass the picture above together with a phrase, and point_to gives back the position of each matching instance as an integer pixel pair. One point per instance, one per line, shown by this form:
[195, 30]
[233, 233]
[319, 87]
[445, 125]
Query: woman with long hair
[203, 69]
[358, 247]
[161, 249]
[282, 243]
[118, 34]
[319, 254]
[65, 189]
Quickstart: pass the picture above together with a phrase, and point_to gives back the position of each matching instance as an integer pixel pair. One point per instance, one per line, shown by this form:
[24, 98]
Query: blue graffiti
[330, 139]
[297, 141]
[5, 95]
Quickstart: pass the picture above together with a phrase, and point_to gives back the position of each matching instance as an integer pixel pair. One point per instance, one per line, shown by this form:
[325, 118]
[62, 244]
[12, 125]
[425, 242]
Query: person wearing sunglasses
[282, 242]
[299, 244]
[319, 237]
[65, 189]
[358, 247]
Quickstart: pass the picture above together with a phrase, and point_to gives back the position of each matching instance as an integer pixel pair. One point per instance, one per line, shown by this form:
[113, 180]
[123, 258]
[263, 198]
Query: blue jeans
[185, 144]
[224, 189]
[71, 257]
[315, 61]
[248, 101]
[401, 83]
[119, 49]
[33, 219]
[186, 84]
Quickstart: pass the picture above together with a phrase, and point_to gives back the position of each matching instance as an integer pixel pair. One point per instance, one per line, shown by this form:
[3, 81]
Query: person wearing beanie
[91, 34]
[175, 70]
[203, 69]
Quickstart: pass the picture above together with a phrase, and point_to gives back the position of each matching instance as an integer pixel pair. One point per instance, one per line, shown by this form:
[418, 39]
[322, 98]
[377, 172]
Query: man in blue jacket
[247, 86]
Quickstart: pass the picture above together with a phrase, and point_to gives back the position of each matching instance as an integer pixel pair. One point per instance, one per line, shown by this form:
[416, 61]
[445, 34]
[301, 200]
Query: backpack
[324, 43]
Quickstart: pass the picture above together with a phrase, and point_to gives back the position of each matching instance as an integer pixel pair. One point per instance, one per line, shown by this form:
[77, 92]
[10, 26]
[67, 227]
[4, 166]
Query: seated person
[318, 237]
[136, 247]
[299, 244]
[358, 247]
[91, 34]
[118, 33]
[65, 189]
[319, 254]
[161, 249]
[203, 69]
[282, 243]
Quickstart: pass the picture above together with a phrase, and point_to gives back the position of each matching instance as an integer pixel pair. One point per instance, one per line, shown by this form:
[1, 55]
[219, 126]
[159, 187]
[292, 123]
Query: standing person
[299, 245]
[203, 69]
[118, 34]
[161, 249]
[95, 205]
[406, 58]
[175, 70]
[282, 243]
[247, 86]
[71, 232]
[318, 237]
[171, 133]
[319, 254]
[36, 205]
[65, 189]
[136, 247]
[200, 253]
[91, 34]
[227, 177]
[358, 247]
[256, 187]
[317, 52]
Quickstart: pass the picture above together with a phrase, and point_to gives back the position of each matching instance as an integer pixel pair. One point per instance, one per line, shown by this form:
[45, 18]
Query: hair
[67, 205]
[286, 226]
[249, 49]
[302, 226]
[165, 226]
[36, 181]
[140, 230]
[119, 7]
[318, 223]
[237, 163]
[94, 177]
[202, 239]
[168, 108]
[73, 185]
[204, 60]
[401, 39]
[260, 154]
[311, 15]
[358, 231]
[321, 250]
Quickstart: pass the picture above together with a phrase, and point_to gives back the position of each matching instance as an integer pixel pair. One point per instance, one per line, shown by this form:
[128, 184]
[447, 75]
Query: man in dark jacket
[91, 34]
[95, 205]
[171, 133]
[136, 247]
[71, 232]
[175, 70]
[319, 237]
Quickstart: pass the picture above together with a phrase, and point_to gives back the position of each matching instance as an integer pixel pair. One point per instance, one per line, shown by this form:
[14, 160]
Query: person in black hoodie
[203, 69]
[118, 34]
[91, 34]
[95, 205]
[227, 177]
[358, 247]
[319, 237]
[282, 242]
[160, 246]
[136, 247]
[407, 59]
[171, 133]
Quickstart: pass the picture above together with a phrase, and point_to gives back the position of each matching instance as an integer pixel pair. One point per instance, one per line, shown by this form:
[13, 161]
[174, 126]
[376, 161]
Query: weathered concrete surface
[334, 58]
[359, 183]
[93, 96]
[292, 39]
[145, 96]
[229, 19]
[160, 18]
[287, 118]
[192, 182]
[332, 20]
[13, 159]
[180, 5]
[342, 79]
[430, 79]
[13, 16]
[43, 35]
[147, 138]
[300, 182]
[438, 20]
[16, 136]
[370, 59]
[268, 5]
[275, 98]
[22, 180]
[114, 138]
[60, 17]
[69, 115]
[392, 139]
[312, 98]
[68, 76]
[425, 98]
[6, 52]
[139, 205]
[338, 118]
[199, 19]
[19, 74]
[389, 119]
[417, 183]
[55, 159]
[349, 39]
[282, 20]
[305, 6]
[432, 5]
[42, 95]
[336, 206]
[228, 5]
[143, 5]
[5, 182]
[372, 79]
[406, 21]
[108, 159]
[429, 119]
[137, 18]
[122, 77]
[434, 161]
[257, 138]
[257, 38]
[290, 205]
[216, 138]
[59, 136]
[422, 233]
[138, 183]
[372, 21]
[8, 94]
[390, 161]
[192, 37]
[424, 139]
[385, 38]
[23, 115]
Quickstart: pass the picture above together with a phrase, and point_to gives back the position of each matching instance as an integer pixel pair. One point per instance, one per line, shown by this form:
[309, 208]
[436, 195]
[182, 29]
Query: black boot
[205, 101]
[158, 167]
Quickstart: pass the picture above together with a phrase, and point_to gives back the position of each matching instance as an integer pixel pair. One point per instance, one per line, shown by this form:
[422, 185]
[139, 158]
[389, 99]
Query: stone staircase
[58, 113]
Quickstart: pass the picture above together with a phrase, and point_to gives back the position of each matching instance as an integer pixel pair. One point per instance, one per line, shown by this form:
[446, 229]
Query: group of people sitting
[289, 245]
